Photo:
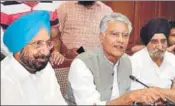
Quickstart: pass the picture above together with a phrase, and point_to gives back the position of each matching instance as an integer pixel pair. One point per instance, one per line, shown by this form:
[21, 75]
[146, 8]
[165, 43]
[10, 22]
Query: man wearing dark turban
[154, 65]
[171, 40]
[26, 76]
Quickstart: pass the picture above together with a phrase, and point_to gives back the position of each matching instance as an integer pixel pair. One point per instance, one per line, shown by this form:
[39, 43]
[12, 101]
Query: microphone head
[133, 78]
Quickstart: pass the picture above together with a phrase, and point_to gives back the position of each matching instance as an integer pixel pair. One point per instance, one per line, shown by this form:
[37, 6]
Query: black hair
[86, 3]
[172, 24]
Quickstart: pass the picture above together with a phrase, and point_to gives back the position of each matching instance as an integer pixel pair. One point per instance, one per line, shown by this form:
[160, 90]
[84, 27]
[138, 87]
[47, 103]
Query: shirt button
[112, 74]
[111, 87]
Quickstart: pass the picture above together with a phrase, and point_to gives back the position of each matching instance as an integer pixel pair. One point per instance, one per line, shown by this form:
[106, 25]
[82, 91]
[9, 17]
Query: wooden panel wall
[139, 12]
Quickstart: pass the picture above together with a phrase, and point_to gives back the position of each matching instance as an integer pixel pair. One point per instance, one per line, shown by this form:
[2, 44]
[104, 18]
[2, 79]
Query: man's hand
[171, 49]
[168, 92]
[56, 58]
[146, 96]
[72, 53]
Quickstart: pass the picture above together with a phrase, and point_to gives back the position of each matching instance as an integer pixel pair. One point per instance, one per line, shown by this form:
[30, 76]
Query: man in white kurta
[154, 65]
[147, 71]
[27, 77]
[19, 87]
[81, 75]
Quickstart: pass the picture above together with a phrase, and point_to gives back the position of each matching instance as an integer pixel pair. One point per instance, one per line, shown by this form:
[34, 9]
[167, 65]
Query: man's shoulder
[5, 64]
[48, 69]
[126, 59]
[170, 57]
[138, 54]
[169, 54]
[89, 54]
[105, 7]
[68, 3]
[126, 56]
[5, 70]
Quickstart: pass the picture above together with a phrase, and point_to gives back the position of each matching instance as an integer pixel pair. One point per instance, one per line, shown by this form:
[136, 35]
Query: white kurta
[147, 71]
[84, 89]
[19, 87]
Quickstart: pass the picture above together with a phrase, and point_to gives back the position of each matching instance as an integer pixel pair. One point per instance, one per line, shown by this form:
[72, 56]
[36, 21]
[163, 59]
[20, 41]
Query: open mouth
[119, 47]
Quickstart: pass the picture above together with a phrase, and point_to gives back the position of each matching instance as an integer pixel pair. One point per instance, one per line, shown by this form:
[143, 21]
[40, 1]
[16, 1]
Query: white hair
[115, 17]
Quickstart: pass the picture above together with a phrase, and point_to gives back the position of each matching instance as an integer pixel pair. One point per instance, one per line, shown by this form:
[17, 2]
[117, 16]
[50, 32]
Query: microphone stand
[167, 103]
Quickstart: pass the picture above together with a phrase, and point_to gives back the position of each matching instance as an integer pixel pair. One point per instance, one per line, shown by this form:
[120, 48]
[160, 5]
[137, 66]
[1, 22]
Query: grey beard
[157, 54]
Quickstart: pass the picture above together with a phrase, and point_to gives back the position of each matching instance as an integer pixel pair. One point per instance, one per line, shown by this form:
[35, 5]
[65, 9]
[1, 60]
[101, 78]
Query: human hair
[172, 24]
[115, 17]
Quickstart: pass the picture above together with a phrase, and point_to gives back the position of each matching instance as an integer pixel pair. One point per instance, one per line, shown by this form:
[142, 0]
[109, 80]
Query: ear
[16, 56]
[102, 36]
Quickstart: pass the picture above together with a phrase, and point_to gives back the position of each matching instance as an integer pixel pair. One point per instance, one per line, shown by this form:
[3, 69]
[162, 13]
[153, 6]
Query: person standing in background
[79, 25]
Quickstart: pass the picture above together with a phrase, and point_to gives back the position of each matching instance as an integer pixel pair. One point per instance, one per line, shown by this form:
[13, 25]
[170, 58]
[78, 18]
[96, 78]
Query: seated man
[101, 76]
[26, 76]
[171, 40]
[79, 21]
[153, 65]
[12, 10]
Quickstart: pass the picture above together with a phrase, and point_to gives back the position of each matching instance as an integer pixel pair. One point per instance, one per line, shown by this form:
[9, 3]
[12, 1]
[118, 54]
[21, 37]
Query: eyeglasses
[125, 35]
[40, 43]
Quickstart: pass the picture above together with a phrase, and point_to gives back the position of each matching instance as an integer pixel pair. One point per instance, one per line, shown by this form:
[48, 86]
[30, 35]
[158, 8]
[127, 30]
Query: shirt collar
[19, 71]
[116, 64]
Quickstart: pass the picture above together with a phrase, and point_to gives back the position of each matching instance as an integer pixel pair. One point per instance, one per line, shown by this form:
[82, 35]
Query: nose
[120, 38]
[46, 49]
[160, 46]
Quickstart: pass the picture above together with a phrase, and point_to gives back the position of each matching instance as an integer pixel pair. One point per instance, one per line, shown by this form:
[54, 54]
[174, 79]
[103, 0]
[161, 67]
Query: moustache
[119, 46]
[159, 51]
[42, 56]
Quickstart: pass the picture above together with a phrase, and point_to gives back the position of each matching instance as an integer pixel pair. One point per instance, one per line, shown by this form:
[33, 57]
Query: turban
[154, 26]
[24, 29]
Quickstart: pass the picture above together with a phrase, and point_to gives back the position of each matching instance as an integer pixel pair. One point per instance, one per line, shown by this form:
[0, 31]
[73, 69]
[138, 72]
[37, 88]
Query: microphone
[135, 79]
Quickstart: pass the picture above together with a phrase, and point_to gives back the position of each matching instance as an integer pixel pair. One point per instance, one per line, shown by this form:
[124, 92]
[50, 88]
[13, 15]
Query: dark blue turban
[154, 26]
[24, 29]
